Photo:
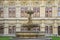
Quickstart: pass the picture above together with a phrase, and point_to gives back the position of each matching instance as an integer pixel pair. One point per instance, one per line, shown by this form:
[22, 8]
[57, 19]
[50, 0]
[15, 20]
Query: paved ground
[29, 39]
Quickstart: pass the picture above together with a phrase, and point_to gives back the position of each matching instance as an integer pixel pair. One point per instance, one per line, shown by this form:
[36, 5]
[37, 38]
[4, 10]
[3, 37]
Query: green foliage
[55, 38]
[5, 38]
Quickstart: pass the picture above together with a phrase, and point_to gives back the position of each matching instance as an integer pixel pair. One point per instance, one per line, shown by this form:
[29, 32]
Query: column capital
[6, 25]
[43, 25]
[18, 27]
[55, 25]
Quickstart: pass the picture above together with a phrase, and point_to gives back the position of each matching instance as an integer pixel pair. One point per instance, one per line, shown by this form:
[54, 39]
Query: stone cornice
[22, 19]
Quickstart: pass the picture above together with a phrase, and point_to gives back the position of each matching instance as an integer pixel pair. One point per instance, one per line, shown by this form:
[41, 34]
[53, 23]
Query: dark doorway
[1, 29]
[46, 29]
[58, 30]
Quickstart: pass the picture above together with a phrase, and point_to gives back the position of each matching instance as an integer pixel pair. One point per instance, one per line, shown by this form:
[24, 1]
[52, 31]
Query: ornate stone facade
[12, 15]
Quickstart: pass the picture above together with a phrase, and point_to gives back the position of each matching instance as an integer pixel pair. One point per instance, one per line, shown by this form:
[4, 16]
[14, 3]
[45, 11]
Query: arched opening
[58, 30]
[1, 29]
[12, 29]
[48, 29]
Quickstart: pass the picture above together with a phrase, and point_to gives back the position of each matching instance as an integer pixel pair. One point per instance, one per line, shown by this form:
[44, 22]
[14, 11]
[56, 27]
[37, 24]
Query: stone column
[18, 11]
[42, 28]
[6, 28]
[54, 11]
[6, 12]
[48, 29]
[42, 11]
[18, 27]
[55, 28]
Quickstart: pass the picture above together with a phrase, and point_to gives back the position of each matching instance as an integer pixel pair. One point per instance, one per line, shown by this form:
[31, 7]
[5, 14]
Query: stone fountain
[29, 25]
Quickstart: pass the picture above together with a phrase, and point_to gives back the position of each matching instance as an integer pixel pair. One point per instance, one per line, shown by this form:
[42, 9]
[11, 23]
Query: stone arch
[58, 29]
[49, 29]
[12, 29]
